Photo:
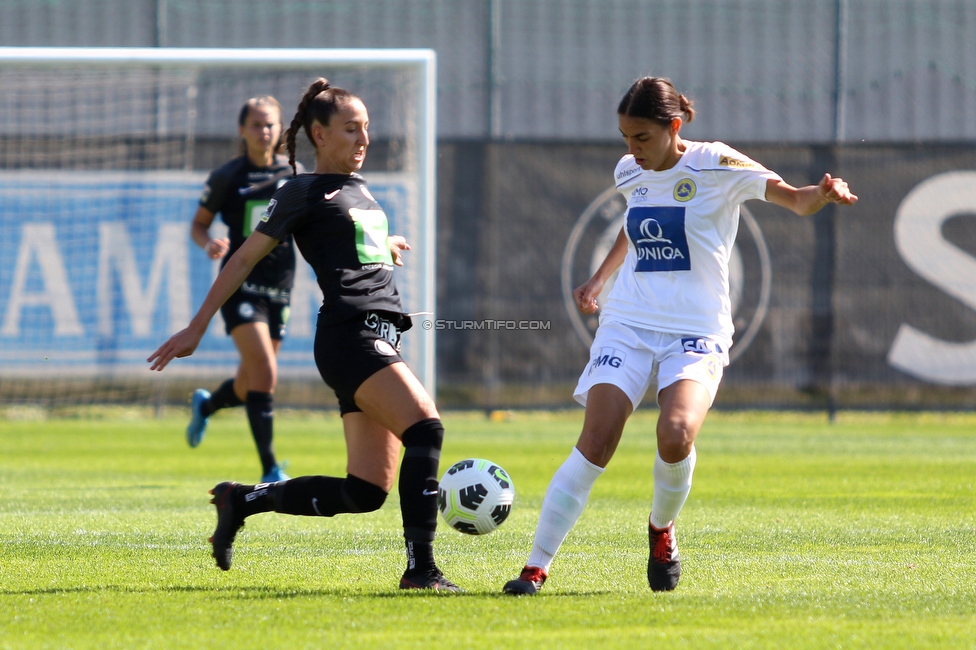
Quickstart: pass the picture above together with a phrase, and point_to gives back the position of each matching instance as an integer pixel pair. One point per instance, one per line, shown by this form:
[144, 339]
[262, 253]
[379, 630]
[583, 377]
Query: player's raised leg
[373, 453]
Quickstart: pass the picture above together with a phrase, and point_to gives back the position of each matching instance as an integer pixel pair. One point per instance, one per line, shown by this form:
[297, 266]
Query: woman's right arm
[200, 233]
[235, 271]
[587, 293]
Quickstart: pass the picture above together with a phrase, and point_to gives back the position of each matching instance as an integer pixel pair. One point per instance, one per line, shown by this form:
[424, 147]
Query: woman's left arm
[807, 200]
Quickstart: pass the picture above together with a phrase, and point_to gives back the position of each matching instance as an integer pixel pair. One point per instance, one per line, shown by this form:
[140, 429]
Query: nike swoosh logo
[315, 506]
[331, 195]
[429, 493]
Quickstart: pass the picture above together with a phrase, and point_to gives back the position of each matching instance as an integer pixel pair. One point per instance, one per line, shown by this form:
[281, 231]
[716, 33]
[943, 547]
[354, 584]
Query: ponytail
[300, 120]
[319, 103]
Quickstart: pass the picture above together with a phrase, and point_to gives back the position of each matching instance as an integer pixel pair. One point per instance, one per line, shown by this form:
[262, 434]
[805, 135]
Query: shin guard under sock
[327, 496]
[418, 490]
[672, 484]
[562, 506]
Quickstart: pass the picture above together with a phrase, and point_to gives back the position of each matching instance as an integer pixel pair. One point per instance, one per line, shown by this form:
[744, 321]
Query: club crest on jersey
[658, 234]
[685, 190]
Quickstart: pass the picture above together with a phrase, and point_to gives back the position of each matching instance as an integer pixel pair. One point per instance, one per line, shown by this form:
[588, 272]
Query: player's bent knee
[362, 496]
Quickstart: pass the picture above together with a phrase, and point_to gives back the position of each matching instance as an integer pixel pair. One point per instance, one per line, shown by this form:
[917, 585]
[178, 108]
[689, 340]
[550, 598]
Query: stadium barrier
[868, 306]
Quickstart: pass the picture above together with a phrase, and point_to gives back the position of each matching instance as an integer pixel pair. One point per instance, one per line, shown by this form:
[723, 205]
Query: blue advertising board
[98, 268]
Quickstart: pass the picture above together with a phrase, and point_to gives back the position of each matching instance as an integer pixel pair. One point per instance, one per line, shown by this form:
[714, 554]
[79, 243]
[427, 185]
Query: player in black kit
[256, 316]
[343, 233]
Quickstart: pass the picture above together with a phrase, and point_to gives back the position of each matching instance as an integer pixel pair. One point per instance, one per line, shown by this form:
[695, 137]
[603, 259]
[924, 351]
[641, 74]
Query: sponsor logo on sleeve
[624, 174]
[735, 163]
[271, 206]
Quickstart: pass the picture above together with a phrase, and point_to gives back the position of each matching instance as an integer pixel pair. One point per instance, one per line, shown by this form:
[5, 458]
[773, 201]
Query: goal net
[103, 155]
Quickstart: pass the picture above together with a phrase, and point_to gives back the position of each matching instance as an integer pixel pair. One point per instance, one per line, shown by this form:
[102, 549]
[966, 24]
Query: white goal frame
[422, 62]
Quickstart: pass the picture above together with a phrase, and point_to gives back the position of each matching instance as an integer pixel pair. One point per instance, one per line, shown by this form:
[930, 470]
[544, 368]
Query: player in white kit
[667, 316]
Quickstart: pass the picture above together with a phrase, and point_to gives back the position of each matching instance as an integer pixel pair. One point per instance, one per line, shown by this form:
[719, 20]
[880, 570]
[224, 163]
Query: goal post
[103, 155]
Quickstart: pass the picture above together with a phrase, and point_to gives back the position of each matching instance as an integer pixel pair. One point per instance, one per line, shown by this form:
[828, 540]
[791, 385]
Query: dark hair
[655, 98]
[260, 100]
[319, 103]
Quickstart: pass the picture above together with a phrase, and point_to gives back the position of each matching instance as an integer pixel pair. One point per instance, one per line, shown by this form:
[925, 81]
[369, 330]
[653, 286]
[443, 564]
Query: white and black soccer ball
[475, 496]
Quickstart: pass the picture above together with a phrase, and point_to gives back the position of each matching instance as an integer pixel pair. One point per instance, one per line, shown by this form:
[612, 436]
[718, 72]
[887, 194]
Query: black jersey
[240, 191]
[342, 232]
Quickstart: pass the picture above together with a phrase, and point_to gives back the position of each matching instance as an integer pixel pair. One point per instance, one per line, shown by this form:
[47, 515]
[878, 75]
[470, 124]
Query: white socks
[570, 488]
[672, 483]
[565, 499]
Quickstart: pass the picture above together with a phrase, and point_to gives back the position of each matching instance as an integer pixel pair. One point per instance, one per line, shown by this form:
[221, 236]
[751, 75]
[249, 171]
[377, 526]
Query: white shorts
[630, 358]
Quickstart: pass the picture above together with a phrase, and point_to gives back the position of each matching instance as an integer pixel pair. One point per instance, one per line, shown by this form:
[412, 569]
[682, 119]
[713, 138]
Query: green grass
[798, 533]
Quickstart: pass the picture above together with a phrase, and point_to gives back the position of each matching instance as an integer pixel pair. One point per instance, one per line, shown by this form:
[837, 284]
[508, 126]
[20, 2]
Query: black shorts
[350, 352]
[251, 304]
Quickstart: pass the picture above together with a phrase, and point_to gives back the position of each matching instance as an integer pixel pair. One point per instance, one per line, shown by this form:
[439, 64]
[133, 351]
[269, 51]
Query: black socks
[327, 496]
[223, 397]
[312, 496]
[260, 413]
[418, 491]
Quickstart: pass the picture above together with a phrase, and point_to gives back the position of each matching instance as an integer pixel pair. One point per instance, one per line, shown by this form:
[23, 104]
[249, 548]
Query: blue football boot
[198, 422]
[274, 475]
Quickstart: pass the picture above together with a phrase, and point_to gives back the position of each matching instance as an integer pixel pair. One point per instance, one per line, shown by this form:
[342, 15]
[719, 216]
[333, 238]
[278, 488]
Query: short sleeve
[285, 212]
[742, 178]
[214, 191]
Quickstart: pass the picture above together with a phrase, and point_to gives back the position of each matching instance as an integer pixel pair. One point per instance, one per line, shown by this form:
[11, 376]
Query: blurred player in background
[256, 316]
[668, 314]
[343, 233]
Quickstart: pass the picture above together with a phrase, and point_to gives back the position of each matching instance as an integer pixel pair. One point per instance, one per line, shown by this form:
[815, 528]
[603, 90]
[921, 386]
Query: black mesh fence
[864, 306]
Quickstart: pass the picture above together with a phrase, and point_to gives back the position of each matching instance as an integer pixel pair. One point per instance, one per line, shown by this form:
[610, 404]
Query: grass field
[798, 533]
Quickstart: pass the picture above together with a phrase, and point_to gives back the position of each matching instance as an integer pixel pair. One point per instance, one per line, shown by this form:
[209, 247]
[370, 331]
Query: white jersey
[681, 224]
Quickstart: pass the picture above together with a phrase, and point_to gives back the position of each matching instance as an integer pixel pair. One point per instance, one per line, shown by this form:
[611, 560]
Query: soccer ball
[475, 496]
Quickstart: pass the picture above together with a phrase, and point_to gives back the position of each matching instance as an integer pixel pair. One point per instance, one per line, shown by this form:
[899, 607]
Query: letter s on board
[918, 237]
